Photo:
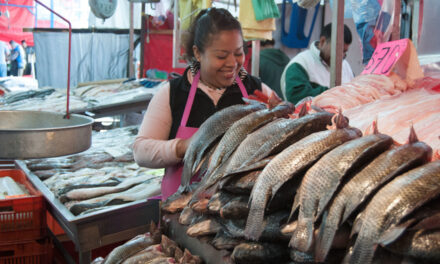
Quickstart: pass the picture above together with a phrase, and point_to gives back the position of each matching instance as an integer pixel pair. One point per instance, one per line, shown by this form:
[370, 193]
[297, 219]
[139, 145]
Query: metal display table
[100, 228]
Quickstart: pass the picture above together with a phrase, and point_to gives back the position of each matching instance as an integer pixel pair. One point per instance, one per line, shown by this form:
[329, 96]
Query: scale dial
[103, 8]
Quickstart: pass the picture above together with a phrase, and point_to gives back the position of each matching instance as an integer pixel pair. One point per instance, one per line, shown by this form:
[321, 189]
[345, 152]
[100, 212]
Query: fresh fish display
[356, 190]
[287, 164]
[208, 132]
[324, 177]
[390, 204]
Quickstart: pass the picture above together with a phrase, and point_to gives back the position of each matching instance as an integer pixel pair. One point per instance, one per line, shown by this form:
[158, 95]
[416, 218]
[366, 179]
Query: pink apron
[171, 179]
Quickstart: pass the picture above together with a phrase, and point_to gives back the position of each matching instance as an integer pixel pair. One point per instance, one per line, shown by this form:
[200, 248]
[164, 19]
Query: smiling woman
[214, 80]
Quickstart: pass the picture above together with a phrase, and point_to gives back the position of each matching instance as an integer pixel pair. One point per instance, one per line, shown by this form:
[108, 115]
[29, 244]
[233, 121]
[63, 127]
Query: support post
[337, 43]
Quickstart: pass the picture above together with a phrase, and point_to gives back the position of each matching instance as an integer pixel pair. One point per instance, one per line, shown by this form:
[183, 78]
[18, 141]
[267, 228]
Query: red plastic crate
[22, 218]
[35, 252]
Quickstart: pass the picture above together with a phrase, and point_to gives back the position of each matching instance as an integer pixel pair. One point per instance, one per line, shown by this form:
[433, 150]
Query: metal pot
[39, 134]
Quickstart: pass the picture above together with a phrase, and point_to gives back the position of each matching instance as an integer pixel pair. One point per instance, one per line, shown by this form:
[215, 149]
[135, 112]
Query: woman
[215, 51]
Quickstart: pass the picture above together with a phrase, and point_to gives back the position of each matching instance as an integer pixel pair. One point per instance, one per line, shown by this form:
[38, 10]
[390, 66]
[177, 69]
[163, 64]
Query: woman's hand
[181, 147]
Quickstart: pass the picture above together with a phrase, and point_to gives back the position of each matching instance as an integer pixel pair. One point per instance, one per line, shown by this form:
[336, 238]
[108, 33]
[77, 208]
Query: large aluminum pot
[39, 134]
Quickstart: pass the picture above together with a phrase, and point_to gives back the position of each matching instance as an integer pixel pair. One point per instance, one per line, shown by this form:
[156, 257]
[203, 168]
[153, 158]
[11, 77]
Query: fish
[176, 202]
[291, 130]
[189, 258]
[237, 208]
[289, 163]
[87, 193]
[131, 247]
[235, 135]
[206, 227]
[254, 253]
[214, 127]
[201, 206]
[225, 241]
[240, 183]
[383, 168]
[418, 243]
[323, 178]
[217, 201]
[389, 205]
[186, 216]
[145, 255]
[170, 248]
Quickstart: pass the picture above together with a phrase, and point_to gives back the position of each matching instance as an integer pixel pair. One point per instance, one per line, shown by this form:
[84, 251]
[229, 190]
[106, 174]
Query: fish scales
[323, 178]
[295, 129]
[236, 134]
[208, 132]
[286, 165]
[390, 204]
[240, 183]
[383, 168]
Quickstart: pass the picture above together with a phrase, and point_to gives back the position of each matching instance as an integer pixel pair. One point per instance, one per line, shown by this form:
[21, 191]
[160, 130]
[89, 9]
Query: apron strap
[190, 100]
[242, 88]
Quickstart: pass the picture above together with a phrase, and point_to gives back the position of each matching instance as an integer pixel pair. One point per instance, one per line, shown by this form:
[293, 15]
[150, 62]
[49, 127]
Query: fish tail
[326, 234]
[294, 206]
[303, 235]
[254, 224]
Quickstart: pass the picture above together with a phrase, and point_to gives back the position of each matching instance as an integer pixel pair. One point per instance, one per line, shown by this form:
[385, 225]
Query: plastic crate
[35, 252]
[22, 218]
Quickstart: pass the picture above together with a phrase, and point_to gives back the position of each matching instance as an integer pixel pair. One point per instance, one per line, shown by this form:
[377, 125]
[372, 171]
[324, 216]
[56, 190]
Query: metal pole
[143, 21]
[130, 49]
[395, 35]
[337, 43]
[68, 56]
[255, 68]
[415, 23]
[176, 38]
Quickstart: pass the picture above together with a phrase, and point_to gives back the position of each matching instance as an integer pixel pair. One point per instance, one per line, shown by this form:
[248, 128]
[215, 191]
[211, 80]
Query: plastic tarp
[16, 15]
[94, 56]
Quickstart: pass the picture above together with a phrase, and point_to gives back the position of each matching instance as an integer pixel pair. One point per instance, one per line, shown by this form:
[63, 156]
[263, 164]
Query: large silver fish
[214, 127]
[234, 136]
[389, 205]
[386, 166]
[131, 247]
[323, 178]
[290, 162]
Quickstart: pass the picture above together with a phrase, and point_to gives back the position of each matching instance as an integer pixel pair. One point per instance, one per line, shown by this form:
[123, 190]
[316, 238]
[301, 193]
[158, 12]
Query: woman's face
[222, 59]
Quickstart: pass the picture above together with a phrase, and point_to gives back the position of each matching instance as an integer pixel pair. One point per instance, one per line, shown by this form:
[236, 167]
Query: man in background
[4, 53]
[30, 57]
[308, 73]
[272, 63]
[18, 60]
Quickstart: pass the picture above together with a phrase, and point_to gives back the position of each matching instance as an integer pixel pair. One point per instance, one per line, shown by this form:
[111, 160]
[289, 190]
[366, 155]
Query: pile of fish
[100, 178]
[150, 248]
[279, 187]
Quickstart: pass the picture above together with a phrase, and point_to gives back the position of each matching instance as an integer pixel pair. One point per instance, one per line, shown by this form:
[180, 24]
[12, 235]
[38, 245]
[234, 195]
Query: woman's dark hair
[207, 23]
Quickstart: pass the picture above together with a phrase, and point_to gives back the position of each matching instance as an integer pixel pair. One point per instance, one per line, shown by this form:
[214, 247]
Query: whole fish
[145, 255]
[208, 132]
[290, 131]
[255, 253]
[237, 208]
[236, 134]
[383, 168]
[241, 183]
[323, 178]
[389, 205]
[206, 227]
[131, 247]
[290, 162]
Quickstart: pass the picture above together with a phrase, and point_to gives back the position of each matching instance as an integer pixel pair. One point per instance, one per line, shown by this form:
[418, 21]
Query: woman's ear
[196, 53]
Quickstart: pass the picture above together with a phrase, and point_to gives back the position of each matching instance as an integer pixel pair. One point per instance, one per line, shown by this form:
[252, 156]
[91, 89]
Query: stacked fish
[276, 187]
[102, 177]
[149, 248]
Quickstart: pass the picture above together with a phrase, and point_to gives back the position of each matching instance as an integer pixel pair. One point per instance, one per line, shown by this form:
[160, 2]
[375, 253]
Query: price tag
[385, 56]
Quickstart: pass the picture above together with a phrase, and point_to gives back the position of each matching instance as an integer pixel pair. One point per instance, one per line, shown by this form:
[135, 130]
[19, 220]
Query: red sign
[385, 56]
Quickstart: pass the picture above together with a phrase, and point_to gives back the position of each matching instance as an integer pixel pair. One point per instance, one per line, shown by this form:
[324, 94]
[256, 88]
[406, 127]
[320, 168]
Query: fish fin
[302, 235]
[273, 100]
[372, 129]
[412, 135]
[324, 240]
[356, 225]
[393, 233]
[304, 110]
[255, 221]
[295, 206]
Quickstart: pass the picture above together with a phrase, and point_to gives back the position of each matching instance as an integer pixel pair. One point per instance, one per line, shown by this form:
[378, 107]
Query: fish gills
[285, 165]
[390, 204]
[386, 166]
[208, 132]
[323, 178]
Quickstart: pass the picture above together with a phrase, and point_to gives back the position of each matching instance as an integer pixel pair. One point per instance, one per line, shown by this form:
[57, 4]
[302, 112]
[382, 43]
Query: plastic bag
[265, 9]
[307, 3]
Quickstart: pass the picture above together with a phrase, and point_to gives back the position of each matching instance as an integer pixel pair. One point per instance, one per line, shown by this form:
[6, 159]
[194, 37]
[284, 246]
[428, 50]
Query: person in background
[17, 58]
[30, 57]
[272, 63]
[215, 54]
[4, 54]
[308, 73]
